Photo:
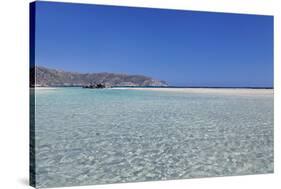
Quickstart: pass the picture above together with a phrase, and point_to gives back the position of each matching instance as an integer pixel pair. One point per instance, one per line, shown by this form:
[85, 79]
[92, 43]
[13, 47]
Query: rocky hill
[45, 77]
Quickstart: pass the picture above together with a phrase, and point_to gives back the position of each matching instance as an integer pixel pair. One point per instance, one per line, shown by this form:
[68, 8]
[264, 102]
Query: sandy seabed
[102, 136]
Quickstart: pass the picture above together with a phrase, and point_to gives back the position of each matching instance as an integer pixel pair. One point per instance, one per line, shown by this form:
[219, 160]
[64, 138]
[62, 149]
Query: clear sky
[184, 48]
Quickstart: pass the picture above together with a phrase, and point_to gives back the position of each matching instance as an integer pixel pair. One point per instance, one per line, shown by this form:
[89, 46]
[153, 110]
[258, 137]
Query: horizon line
[168, 86]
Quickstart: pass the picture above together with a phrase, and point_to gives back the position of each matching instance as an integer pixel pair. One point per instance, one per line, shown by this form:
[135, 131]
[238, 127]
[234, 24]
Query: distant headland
[46, 77]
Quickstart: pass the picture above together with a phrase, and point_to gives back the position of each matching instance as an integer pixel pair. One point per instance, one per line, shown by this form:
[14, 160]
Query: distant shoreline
[157, 87]
[193, 87]
[229, 91]
[44, 88]
[197, 90]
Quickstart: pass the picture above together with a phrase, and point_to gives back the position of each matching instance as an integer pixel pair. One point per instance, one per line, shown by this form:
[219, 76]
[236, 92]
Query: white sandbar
[207, 90]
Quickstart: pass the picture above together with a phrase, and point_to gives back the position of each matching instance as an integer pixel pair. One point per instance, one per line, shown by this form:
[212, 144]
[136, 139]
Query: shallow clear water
[96, 136]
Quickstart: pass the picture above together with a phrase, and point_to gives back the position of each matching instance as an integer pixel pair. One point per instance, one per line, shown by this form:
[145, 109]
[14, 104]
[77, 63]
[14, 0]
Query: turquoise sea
[97, 136]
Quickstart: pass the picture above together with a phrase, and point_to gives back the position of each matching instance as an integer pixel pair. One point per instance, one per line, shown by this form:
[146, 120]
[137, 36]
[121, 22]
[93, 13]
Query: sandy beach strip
[44, 88]
[238, 91]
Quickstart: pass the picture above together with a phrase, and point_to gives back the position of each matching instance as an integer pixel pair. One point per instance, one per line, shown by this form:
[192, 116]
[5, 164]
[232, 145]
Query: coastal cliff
[46, 77]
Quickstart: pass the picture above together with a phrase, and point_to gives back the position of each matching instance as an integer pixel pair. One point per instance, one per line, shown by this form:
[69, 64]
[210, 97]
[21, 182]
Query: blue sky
[184, 48]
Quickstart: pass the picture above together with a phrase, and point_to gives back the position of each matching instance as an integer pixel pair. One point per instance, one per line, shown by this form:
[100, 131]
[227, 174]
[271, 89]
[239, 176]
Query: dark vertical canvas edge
[32, 165]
